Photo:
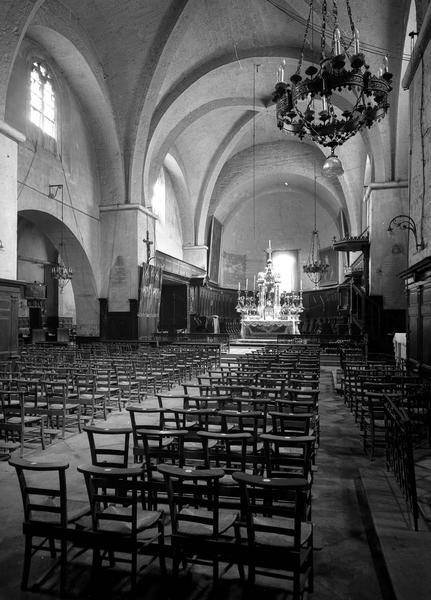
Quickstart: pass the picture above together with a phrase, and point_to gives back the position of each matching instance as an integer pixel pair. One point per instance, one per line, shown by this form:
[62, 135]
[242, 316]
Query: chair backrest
[109, 446]
[196, 488]
[288, 455]
[114, 495]
[158, 446]
[280, 501]
[284, 423]
[229, 451]
[43, 490]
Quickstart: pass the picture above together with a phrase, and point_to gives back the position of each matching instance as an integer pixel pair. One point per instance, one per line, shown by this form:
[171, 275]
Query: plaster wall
[8, 203]
[388, 250]
[420, 164]
[34, 250]
[285, 221]
[119, 256]
[70, 161]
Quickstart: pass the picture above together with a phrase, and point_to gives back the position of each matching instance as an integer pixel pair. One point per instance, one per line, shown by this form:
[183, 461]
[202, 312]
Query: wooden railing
[399, 455]
[204, 337]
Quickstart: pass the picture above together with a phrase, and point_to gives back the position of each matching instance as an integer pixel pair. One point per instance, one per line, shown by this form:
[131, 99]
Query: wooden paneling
[10, 293]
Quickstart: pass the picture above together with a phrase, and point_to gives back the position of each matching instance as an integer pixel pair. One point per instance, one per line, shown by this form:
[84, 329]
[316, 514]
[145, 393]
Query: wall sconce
[406, 222]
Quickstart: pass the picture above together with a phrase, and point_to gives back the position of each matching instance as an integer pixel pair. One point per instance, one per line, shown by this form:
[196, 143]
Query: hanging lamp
[307, 106]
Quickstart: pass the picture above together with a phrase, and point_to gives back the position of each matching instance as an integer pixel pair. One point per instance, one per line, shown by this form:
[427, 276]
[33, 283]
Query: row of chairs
[264, 523]
[237, 478]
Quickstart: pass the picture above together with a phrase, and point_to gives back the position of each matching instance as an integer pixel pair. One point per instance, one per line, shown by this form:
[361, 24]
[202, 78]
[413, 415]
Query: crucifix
[148, 243]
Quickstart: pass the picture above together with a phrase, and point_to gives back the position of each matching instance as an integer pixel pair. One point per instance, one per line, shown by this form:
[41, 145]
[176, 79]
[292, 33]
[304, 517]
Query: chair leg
[52, 548]
[215, 571]
[27, 562]
[134, 571]
[63, 567]
[161, 549]
[175, 564]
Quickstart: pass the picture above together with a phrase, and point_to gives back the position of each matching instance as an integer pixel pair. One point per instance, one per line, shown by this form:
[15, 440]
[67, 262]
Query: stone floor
[353, 543]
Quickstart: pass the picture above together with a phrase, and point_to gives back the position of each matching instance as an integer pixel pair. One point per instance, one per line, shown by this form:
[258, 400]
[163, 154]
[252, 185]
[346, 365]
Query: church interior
[215, 244]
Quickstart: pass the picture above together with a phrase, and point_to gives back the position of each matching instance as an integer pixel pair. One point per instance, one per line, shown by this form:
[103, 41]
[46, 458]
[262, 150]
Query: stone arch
[84, 281]
[55, 31]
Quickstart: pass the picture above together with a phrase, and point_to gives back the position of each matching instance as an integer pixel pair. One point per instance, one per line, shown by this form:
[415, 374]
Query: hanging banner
[150, 291]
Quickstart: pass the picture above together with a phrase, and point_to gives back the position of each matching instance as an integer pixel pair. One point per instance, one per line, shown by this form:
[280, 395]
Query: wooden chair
[47, 511]
[116, 497]
[201, 531]
[279, 541]
[88, 397]
[18, 424]
[109, 446]
[61, 408]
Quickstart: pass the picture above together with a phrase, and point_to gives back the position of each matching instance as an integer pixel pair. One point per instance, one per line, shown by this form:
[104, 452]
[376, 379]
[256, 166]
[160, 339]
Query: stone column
[388, 250]
[9, 139]
[123, 229]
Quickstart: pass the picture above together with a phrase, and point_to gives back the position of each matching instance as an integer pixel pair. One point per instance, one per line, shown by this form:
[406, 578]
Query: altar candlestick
[254, 283]
[246, 285]
[300, 284]
[239, 286]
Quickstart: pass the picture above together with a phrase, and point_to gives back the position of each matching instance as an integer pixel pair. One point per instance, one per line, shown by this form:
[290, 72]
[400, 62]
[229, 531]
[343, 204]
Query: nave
[344, 566]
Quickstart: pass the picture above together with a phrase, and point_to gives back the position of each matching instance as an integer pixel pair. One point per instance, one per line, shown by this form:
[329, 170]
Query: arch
[83, 282]
[275, 162]
[15, 18]
[176, 173]
[54, 29]
[146, 130]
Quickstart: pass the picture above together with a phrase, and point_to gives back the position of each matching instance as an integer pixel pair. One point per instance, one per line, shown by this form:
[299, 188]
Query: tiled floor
[344, 568]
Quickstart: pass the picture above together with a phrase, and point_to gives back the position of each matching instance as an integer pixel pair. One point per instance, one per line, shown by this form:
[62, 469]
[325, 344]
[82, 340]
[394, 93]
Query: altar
[265, 329]
[267, 311]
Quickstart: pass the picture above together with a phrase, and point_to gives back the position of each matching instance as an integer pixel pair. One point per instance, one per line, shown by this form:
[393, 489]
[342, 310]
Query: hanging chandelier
[314, 268]
[59, 271]
[307, 106]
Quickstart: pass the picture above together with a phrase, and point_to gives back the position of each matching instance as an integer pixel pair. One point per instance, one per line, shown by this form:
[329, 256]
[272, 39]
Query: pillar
[9, 139]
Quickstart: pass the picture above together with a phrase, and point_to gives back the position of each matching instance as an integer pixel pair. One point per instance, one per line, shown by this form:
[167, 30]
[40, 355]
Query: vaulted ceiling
[187, 84]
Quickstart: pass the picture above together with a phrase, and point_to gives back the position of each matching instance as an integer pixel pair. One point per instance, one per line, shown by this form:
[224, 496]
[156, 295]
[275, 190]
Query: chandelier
[59, 271]
[306, 106]
[314, 268]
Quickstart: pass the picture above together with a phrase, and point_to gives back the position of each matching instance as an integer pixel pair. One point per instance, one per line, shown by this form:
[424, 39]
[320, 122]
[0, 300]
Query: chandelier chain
[349, 12]
[323, 38]
[304, 40]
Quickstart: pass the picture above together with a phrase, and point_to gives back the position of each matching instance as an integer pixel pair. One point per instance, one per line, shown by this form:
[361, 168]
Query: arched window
[42, 99]
[158, 201]
[285, 264]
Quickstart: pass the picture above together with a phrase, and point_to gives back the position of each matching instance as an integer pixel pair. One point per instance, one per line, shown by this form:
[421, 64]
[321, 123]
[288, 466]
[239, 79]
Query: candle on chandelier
[324, 104]
[356, 41]
[385, 64]
[337, 41]
[280, 74]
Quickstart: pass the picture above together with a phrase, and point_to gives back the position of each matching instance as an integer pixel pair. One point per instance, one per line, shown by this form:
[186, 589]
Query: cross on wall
[148, 243]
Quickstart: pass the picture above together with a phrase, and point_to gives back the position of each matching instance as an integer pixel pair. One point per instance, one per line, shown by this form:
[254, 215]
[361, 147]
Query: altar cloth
[265, 329]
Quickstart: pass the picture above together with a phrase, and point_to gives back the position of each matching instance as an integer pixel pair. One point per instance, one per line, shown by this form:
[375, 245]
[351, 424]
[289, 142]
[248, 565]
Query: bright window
[158, 201]
[42, 99]
[284, 263]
